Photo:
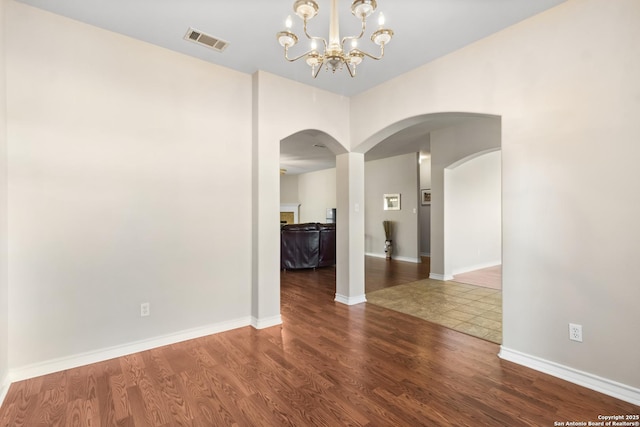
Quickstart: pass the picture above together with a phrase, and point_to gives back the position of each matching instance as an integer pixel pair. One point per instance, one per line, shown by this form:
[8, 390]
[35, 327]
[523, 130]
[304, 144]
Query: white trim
[74, 361]
[375, 255]
[476, 267]
[425, 254]
[350, 300]
[395, 258]
[4, 388]
[407, 259]
[442, 277]
[585, 379]
[267, 322]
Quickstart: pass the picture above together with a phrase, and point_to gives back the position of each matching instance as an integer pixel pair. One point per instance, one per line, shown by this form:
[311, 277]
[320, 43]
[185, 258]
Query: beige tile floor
[490, 277]
[470, 309]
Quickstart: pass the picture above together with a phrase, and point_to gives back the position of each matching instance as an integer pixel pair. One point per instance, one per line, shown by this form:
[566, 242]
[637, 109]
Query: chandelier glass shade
[332, 53]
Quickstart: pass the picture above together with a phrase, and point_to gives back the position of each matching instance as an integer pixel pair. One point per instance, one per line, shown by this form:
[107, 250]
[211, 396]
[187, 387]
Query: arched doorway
[442, 139]
[459, 134]
[307, 173]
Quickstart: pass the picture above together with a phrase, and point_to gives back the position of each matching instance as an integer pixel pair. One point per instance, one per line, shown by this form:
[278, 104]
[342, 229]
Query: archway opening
[437, 141]
[437, 144]
[308, 202]
[431, 142]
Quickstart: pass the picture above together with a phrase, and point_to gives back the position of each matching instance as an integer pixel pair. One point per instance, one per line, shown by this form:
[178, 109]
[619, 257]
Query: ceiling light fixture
[334, 56]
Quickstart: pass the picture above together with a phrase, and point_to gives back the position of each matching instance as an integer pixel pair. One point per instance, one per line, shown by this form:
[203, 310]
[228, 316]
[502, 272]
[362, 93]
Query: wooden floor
[328, 365]
[382, 273]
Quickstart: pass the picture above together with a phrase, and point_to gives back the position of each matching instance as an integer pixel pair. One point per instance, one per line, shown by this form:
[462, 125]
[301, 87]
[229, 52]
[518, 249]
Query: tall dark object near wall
[327, 255]
[307, 246]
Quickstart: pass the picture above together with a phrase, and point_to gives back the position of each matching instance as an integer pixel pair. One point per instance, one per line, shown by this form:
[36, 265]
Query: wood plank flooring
[328, 365]
[382, 273]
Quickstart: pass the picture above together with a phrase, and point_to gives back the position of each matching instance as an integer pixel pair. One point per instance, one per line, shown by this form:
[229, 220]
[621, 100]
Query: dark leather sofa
[308, 245]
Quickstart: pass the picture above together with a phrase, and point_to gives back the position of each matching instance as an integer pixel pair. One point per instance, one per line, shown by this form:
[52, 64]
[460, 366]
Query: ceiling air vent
[206, 40]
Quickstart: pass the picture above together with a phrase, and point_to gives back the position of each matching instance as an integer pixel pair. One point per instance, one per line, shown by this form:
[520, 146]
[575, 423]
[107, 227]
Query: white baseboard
[425, 254]
[266, 322]
[442, 277]
[74, 361]
[395, 258]
[4, 388]
[476, 267]
[375, 255]
[585, 379]
[407, 259]
[350, 300]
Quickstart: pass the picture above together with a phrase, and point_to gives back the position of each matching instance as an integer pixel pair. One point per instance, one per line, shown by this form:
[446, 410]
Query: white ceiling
[424, 30]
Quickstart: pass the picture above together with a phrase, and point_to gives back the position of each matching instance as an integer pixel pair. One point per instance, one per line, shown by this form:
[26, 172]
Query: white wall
[449, 147]
[119, 190]
[565, 84]
[473, 213]
[289, 189]
[397, 174]
[274, 120]
[4, 289]
[317, 192]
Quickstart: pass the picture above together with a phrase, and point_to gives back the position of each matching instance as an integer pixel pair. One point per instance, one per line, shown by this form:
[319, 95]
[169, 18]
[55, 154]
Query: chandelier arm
[318, 70]
[377, 58]
[310, 37]
[324, 42]
[352, 73]
[286, 56]
[344, 39]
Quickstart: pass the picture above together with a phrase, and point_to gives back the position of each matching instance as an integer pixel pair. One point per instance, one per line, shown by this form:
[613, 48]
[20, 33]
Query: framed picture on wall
[425, 197]
[392, 202]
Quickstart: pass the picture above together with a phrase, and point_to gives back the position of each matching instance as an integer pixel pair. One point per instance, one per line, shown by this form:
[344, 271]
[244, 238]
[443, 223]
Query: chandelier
[333, 55]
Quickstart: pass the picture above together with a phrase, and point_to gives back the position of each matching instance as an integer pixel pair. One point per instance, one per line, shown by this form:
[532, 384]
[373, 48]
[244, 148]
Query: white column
[350, 229]
[265, 286]
[439, 268]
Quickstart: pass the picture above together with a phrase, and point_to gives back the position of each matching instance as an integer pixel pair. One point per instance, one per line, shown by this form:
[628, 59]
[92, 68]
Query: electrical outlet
[575, 332]
[145, 309]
